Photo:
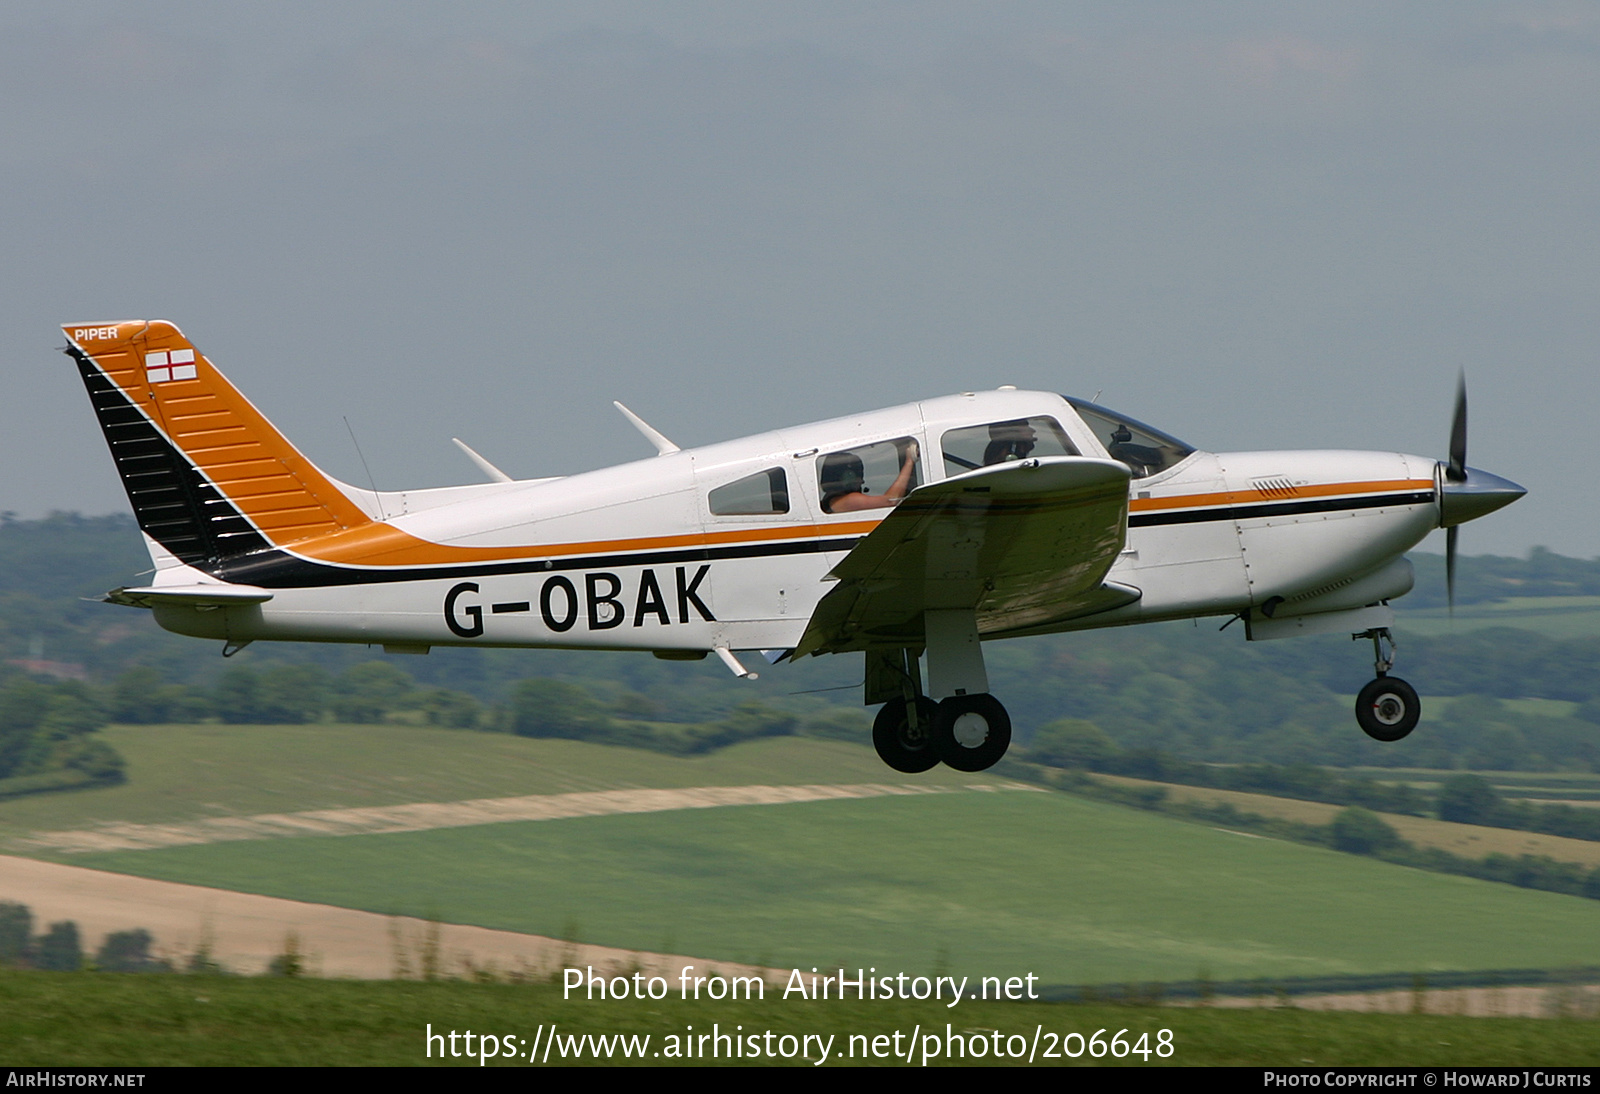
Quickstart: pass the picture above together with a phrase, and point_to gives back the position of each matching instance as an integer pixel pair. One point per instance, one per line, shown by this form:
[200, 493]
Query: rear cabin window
[976, 446]
[761, 494]
[868, 476]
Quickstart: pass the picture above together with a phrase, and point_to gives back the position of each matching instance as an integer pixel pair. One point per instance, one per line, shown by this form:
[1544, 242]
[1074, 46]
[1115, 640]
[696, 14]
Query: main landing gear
[966, 732]
[903, 734]
[1388, 708]
[967, 728]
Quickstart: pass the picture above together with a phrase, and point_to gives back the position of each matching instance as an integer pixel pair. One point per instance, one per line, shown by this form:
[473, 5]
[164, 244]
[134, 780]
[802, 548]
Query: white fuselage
[633, 557]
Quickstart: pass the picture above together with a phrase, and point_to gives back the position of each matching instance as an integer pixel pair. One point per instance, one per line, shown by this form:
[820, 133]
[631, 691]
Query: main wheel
[1388, 709]
[899, 745]
[971, 732]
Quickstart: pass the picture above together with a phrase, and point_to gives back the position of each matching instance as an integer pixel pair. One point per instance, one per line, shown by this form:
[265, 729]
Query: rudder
[209, 478]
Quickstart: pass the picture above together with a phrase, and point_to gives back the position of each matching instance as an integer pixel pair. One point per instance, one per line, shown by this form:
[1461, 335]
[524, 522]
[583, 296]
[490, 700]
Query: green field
[1552, 616]
[1073, 890]
[1573, 786]
[64, 1019]
[187, 772]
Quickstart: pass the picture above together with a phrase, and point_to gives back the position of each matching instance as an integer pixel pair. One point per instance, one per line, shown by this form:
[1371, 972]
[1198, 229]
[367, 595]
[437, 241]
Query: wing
[1026, 544]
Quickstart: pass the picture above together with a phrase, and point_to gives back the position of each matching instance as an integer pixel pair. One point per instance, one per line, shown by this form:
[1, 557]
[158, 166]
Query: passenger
[1009, 441]
[844, 488]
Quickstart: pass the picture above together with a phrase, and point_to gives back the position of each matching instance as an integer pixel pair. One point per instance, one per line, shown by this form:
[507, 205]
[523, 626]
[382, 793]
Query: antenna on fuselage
[494, 473]
[664, 447]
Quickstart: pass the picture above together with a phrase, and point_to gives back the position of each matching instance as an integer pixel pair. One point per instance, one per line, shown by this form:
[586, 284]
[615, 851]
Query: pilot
[1009, 441]
[1141, 459]
[844, 488]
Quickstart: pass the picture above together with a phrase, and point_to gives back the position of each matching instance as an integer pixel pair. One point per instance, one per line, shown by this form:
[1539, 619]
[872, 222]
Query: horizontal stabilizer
[190, 596]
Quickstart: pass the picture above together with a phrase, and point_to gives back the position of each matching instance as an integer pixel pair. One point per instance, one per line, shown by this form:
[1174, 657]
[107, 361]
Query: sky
[1254, 225]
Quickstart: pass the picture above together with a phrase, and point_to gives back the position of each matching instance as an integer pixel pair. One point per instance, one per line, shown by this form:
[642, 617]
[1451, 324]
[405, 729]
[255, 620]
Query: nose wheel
[1387, 708]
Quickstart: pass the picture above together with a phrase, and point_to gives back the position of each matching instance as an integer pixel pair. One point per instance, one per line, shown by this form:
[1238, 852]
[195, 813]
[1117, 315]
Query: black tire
[971, 732]
[900, 746]
[1388, 709]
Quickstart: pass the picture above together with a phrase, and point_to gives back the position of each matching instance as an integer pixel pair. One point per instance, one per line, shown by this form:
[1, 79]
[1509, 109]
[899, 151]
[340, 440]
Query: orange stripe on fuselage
[383, 545]
[1256, 497]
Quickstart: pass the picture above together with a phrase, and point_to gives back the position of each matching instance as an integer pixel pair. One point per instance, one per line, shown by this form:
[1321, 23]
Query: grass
[67, 1019]
[1554, 616]
[187, 772]
[1570, 786]
[1073, 890]
[1469, 840]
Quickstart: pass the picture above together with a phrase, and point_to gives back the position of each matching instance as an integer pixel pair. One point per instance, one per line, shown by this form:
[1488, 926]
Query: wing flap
[1026, 544]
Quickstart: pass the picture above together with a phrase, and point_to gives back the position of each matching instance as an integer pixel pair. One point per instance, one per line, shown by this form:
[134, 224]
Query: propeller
[1455, 471]
[1464, 492]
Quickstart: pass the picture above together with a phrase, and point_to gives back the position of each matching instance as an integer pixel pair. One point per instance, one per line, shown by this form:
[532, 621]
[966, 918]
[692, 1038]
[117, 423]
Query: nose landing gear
[1387, 708]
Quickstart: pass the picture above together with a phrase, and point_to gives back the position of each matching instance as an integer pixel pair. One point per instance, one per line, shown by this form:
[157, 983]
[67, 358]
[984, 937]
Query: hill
[1072, 889]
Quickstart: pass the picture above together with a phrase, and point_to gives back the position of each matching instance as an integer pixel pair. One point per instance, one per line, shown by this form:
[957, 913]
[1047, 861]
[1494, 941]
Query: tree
[1071, 742]
[1468, 799]
[454, 709]
[292, 694]
[840, 723]
[140, 698]
[238, 696]
[16, 928]
[128, 951]
[556, 708]
[58, 948]
[366, 692]
[1362, 832]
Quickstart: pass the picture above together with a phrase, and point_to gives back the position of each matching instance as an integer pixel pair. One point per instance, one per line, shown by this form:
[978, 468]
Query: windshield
[1146, 451]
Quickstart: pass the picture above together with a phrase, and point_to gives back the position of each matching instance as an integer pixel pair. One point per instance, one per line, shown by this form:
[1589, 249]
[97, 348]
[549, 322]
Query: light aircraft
[909, 534]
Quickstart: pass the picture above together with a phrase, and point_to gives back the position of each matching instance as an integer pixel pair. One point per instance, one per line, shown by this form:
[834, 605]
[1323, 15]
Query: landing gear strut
[968, 729]
[1387, 708]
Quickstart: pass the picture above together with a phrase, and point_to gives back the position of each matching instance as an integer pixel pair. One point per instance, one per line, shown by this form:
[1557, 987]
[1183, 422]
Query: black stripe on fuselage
[274, 569]
[281, 570]
[1278, 509]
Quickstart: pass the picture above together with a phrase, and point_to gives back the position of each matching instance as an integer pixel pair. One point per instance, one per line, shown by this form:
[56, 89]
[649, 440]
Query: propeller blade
[1456, 469]
[1450, 567]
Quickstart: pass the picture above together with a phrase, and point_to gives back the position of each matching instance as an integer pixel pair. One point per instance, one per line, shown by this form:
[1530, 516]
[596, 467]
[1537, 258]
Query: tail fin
[208, 476]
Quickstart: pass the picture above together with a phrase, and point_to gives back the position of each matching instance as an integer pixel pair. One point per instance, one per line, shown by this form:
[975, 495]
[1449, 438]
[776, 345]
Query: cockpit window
[868, 476]
[763, 493]
[1146, 451]
[976, 446]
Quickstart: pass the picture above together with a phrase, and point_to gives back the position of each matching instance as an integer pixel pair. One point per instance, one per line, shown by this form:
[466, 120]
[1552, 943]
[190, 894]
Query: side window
[868, 476]
[976, 446]
[760, 494]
